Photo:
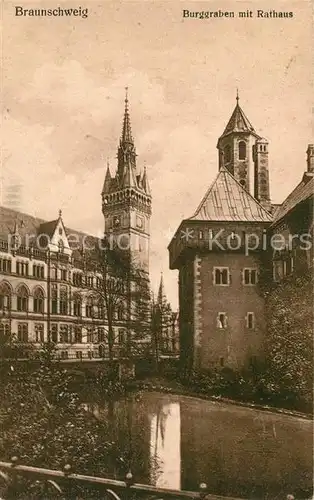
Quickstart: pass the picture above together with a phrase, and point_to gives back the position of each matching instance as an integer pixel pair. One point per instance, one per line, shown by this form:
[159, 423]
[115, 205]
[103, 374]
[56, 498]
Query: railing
[49, 483]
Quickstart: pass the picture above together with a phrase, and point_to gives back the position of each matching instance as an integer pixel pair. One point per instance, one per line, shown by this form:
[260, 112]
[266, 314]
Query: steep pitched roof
[226, 200]
[239, 122]
[303, 191]
[29, 226]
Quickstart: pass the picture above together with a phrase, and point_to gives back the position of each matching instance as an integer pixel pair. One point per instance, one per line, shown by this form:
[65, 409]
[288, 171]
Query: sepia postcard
[156, 249]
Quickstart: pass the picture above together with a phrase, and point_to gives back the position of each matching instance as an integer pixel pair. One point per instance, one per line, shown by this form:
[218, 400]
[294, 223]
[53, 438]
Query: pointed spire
[126, 130]
[145, 182]
[238, 122]
[161, 292]
[107, 181]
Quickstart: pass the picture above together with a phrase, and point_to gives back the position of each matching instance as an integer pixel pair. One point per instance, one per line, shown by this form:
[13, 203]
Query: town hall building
[51, 285]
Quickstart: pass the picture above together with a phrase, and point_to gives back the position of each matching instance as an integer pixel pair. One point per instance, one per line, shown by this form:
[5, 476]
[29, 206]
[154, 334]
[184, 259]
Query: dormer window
[242, 150]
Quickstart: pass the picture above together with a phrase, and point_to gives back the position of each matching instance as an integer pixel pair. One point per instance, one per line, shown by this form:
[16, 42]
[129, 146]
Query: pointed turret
[126, 130]
[236, 148]
[161, 297]
[107, 181]
[238, 122]
[126, 202]
[126, 150]
[145, 182]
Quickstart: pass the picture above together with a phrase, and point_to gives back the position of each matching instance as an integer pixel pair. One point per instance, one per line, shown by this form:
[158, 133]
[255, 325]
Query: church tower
[126, 200]
[245, 154]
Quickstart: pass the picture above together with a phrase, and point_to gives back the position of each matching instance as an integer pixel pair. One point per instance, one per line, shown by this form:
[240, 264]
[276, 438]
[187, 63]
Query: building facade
[223, 251]
[50, 286]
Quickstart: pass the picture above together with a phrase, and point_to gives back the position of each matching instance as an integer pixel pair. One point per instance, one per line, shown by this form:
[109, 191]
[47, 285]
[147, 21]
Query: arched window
[227, 154]
[242, 150]
[77, 305]
[38, 297]
[101, 309]
[22, 299]
[5, 298]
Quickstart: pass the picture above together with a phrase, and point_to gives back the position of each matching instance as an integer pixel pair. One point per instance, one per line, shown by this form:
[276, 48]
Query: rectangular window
[250, 320]
[101, 335]
[54, 273]
[54, 333]
[22, 268]
[63, 274]
[39, 332]
[79, 354]
[221, 361]
[54, 299]
[64, 355]
[63, 302]
[78, 334]
[89, 334]
[38, 271]
[5, 265]
[4, 331]
[221, 276]
[249, 276]
[65, 336]
[201, 235]
[88, 310]
[22, 332]
[221, 320]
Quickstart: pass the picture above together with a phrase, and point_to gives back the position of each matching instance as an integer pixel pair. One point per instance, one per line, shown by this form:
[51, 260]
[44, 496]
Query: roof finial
[237, 96]
[60, 214]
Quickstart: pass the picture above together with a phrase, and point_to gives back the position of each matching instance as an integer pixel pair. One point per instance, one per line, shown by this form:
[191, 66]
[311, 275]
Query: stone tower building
[126, 200]
[245, 154]
[218, 254]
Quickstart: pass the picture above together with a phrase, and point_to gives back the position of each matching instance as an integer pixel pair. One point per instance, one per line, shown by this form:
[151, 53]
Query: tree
[289, 341]
[122, 293]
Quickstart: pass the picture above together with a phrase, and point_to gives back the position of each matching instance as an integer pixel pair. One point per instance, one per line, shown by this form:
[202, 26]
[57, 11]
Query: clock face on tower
[116, 220]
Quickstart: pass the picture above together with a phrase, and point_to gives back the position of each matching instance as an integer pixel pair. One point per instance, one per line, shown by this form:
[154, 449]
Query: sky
[62, 89]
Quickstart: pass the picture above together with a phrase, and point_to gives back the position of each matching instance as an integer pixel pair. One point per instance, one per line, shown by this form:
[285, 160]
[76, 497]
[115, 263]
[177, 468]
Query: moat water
[179, 442]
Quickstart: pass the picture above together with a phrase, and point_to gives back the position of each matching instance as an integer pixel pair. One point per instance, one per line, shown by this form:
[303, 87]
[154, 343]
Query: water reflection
[165, 445]
[178, 442]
